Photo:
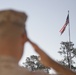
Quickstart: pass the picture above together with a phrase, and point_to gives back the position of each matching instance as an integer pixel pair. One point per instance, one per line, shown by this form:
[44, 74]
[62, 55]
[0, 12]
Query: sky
[45, 19]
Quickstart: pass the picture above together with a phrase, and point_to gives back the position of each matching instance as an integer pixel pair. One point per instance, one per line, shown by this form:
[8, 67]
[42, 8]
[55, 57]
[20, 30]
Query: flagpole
[69, 29]
[69, 44]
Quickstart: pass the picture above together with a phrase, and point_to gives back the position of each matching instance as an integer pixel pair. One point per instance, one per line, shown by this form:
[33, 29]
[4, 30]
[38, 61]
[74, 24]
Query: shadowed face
[13, 37]
[12, 33]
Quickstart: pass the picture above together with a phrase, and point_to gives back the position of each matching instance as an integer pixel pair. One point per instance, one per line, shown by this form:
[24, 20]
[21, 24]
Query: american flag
[64, 26]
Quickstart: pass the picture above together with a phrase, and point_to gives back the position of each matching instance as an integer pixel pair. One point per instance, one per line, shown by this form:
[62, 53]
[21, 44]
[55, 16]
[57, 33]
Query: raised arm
[49, 62]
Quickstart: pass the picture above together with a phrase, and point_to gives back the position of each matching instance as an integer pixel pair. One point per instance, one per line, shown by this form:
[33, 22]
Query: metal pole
[69, 44]
[69, 29]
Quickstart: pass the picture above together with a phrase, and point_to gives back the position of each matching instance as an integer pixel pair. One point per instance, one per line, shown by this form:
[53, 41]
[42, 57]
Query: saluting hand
[45, 59]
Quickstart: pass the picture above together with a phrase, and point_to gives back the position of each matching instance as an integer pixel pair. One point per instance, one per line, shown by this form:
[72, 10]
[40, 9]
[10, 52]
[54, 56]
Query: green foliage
[69, 55]
[33, 63]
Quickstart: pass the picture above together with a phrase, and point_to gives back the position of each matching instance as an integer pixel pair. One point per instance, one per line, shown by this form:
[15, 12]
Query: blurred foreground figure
[12, 39]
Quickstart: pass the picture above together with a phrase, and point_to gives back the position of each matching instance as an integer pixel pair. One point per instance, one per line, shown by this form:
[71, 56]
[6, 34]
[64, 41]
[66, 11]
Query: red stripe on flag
[62, 29]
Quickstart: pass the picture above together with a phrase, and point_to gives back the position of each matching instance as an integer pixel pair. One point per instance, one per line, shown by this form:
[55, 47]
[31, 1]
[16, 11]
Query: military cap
[12, 21]
[13, 16]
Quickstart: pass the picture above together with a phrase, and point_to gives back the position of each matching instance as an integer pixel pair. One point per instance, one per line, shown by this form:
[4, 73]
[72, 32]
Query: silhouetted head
[12, 32]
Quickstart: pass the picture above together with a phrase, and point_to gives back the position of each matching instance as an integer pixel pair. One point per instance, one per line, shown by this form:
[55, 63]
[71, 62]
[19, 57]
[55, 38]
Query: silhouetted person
[12, 39]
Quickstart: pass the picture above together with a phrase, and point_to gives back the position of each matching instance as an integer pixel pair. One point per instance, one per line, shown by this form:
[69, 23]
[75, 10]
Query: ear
[24, 38]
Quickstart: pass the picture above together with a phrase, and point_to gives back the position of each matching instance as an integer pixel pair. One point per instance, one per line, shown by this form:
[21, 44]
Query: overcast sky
[45, 19]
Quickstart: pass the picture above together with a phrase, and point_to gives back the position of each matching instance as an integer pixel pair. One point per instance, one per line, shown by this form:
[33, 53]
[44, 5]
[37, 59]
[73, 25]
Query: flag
[64, 26]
